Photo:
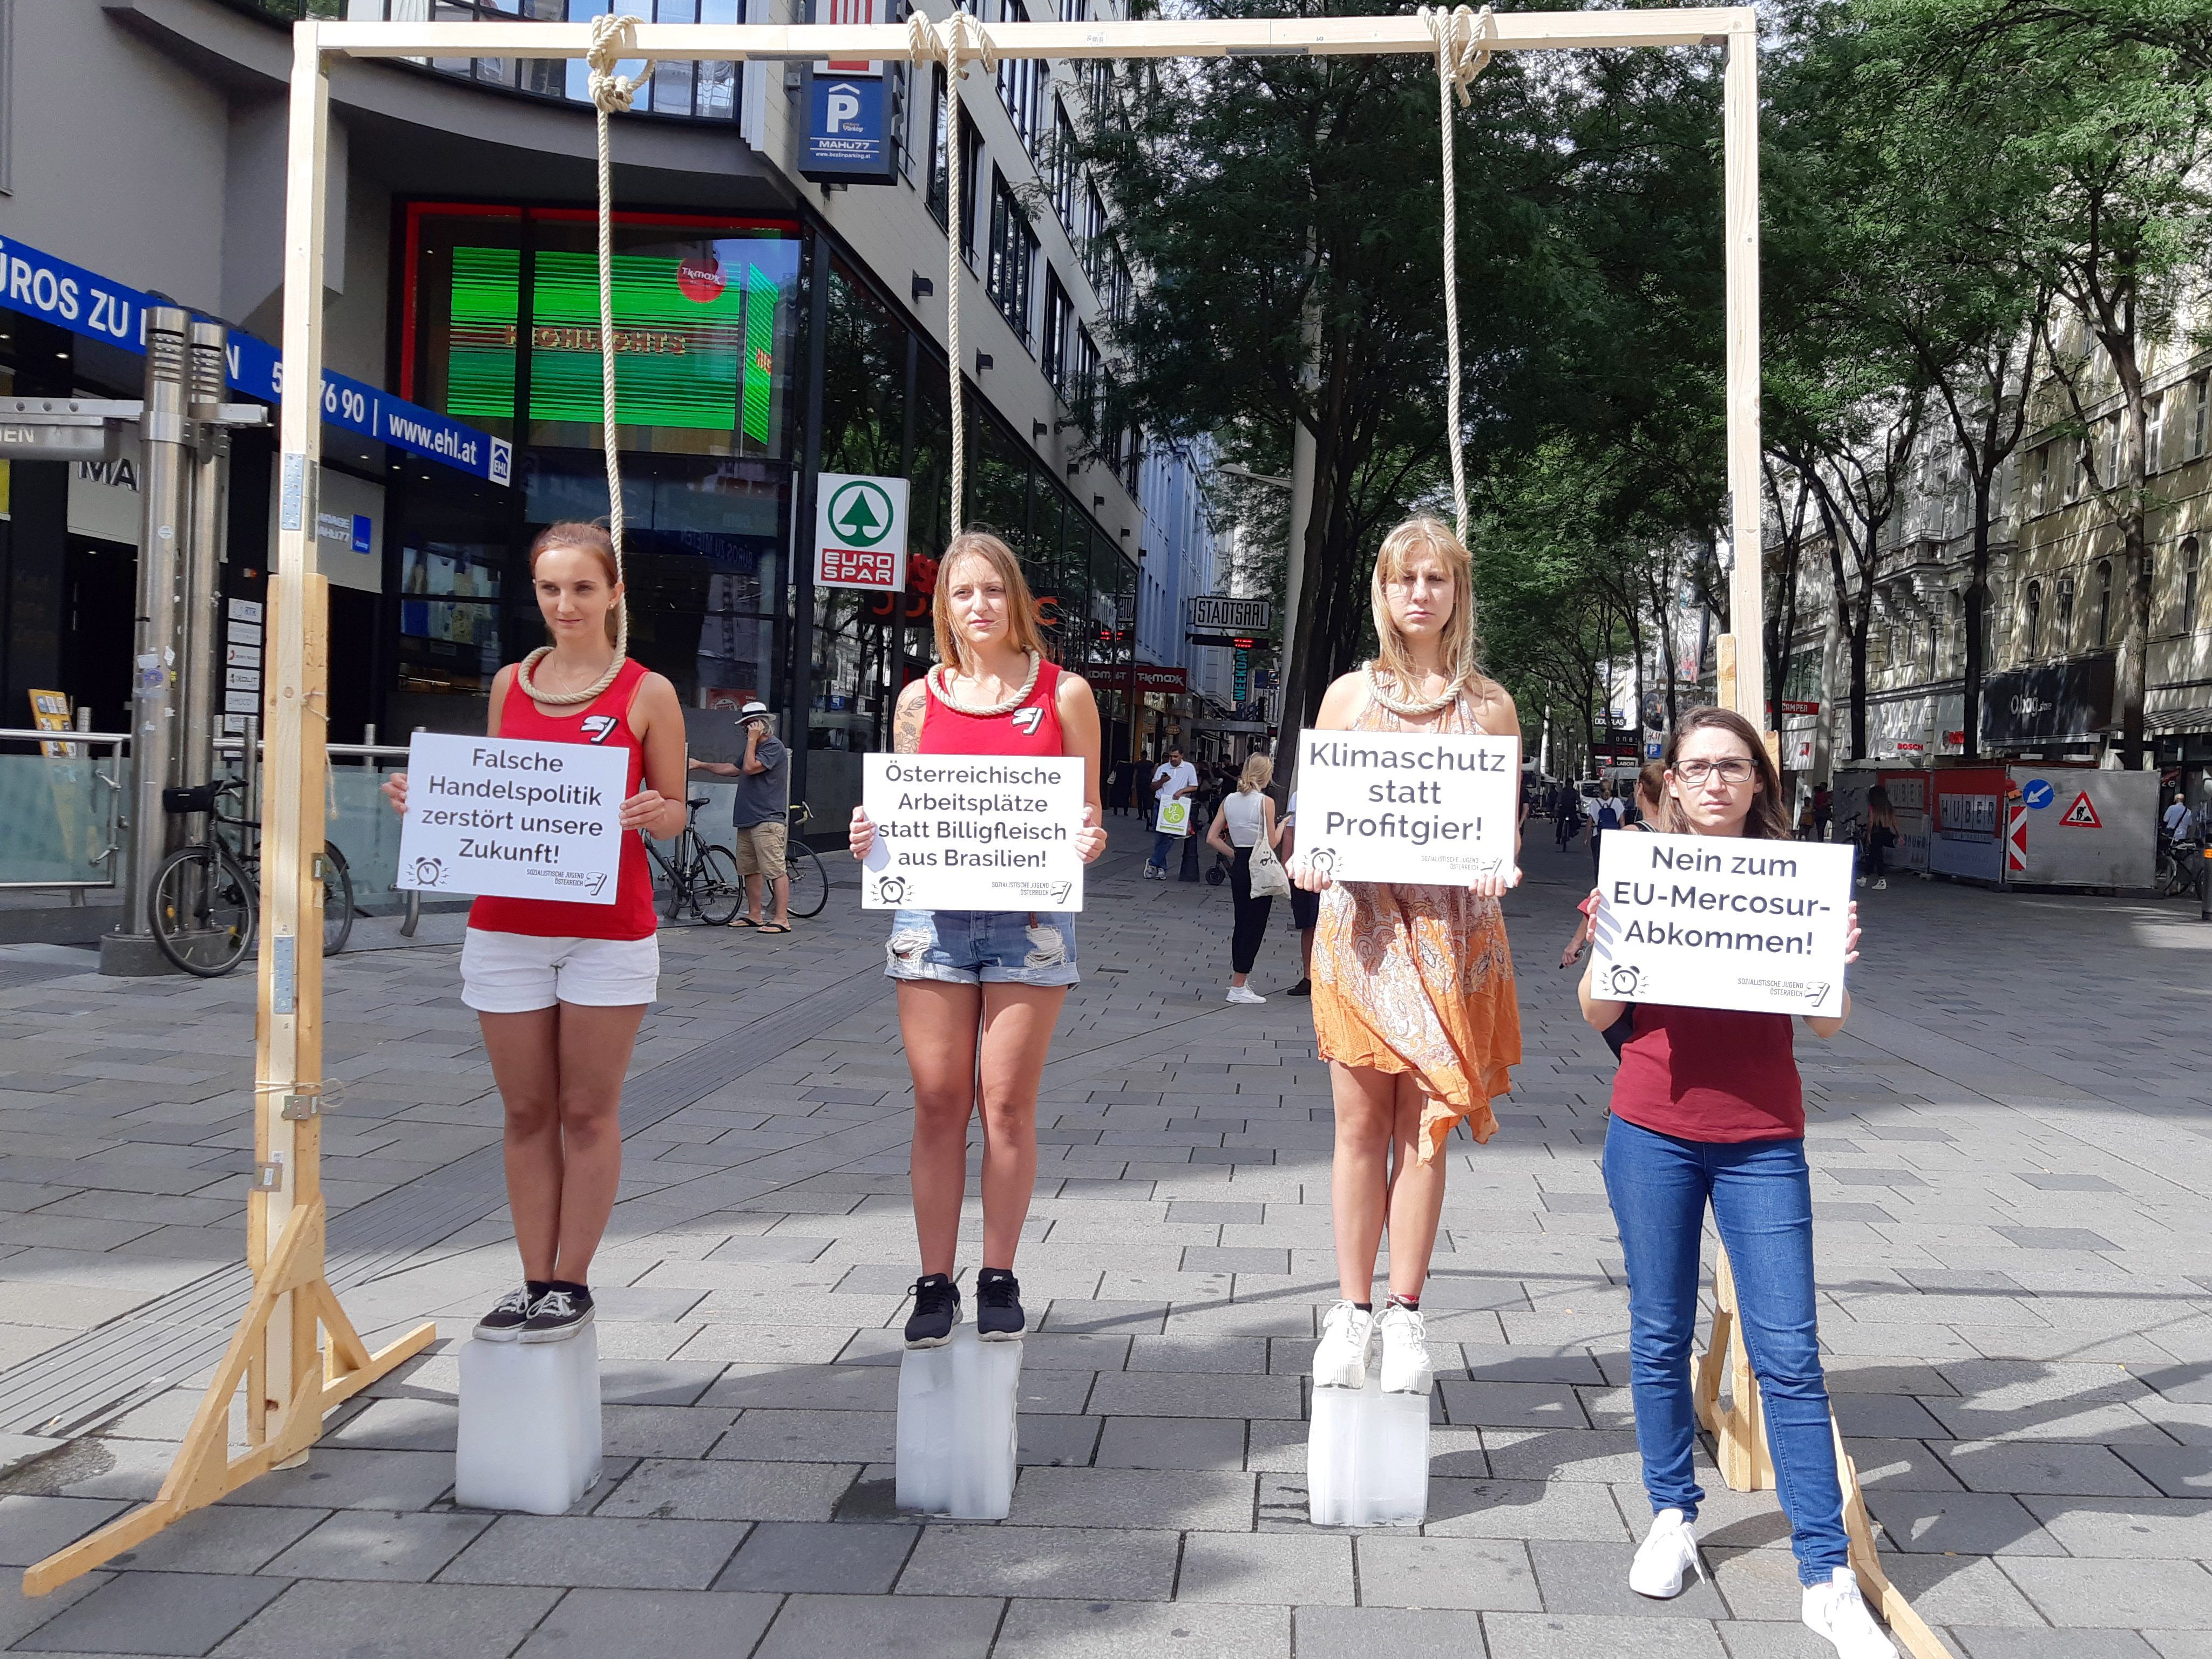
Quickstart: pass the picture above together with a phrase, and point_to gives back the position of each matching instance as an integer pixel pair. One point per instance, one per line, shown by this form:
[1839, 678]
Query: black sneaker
[998, 1315]
[558, 1315]
[1303, 988]
[936, 1311]
[503, 1321]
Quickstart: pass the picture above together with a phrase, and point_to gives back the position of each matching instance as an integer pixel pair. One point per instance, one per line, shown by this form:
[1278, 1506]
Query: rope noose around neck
[612, 39]
[1459, 60]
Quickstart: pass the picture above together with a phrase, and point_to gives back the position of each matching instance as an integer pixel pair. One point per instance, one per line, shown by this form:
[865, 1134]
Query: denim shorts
[983, 947]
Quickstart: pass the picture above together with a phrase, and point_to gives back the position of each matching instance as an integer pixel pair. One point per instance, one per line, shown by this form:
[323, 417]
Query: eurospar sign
[859, 532]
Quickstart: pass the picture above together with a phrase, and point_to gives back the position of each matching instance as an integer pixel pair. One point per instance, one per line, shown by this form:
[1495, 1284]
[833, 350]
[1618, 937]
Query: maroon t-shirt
[1711, 1074]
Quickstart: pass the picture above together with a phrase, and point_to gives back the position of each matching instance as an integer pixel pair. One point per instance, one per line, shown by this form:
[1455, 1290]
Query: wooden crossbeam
[1524, 31]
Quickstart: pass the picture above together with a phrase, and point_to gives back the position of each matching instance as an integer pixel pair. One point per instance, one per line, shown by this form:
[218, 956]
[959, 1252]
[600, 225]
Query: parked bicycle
[205, 902]
[699, 877]
[2178, 864]
[810, 882]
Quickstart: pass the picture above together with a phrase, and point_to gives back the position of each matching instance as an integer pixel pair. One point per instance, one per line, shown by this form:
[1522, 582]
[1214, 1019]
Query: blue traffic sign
[2037, 793]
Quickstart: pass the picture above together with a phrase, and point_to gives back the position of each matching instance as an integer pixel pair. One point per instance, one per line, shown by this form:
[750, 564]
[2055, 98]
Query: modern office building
[768, 329]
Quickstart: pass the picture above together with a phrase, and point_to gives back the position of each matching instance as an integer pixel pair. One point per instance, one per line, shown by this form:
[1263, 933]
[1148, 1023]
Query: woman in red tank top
[979, 991]
[560, 990]
[1708, 1110]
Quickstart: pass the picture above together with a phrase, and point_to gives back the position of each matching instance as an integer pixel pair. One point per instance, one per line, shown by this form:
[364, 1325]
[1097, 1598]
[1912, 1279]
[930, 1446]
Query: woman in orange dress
[1413, 995]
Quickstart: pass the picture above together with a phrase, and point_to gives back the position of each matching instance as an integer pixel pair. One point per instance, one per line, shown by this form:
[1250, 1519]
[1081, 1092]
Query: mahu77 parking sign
[859, 532]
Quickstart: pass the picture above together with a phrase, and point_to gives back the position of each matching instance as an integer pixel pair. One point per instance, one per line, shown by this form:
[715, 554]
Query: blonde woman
[1413, 986]
[979, 991]
[1246, 819]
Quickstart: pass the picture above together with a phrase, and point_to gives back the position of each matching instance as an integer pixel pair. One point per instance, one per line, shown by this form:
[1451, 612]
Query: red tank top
[1031, 727]
[1711, 1074]
[605, 723]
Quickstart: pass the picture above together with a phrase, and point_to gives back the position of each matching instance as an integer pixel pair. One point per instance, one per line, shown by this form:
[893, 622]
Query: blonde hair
[1461, 649]
[1259, 773]
[1021, 607]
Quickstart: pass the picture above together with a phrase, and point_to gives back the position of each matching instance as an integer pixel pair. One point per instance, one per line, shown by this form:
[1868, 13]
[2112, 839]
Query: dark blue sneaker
[999, 1317]
[936, 1311]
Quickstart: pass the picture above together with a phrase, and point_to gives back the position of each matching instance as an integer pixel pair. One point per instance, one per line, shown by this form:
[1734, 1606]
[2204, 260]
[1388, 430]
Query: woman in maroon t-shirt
[1708, 1108]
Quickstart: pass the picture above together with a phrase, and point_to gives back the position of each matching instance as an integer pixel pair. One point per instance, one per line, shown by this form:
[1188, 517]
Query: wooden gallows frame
[288, 1384]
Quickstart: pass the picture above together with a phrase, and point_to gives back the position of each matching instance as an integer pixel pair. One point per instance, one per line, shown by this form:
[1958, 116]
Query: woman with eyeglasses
[1708, 1110]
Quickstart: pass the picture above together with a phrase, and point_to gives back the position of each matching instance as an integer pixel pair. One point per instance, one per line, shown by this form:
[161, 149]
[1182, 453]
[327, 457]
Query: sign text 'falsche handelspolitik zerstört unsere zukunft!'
[511, 818]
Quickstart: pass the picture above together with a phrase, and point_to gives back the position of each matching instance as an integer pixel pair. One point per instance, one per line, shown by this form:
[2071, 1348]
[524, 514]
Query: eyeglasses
[1695, 772]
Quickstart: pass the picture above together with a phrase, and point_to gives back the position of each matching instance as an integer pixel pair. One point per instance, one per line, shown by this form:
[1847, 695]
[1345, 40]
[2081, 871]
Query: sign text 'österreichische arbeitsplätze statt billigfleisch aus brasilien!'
[972, 832]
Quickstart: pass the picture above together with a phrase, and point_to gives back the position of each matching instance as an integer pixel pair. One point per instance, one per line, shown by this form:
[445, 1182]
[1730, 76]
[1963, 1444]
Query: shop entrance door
[99, 612]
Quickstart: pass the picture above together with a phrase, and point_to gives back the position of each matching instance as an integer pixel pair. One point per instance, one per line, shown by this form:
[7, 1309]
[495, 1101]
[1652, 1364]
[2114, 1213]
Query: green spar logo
[861, 512]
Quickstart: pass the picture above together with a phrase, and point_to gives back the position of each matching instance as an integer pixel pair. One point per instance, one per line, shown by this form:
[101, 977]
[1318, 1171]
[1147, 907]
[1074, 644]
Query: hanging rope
[613, 39]
[1459, 60]
[958, 41]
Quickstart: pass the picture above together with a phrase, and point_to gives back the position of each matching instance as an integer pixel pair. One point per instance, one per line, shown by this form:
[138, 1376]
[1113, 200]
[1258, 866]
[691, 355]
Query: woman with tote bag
[1245, 831]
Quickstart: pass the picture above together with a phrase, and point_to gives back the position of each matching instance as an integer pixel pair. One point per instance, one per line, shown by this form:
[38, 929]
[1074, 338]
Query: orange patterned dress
[1419, 979]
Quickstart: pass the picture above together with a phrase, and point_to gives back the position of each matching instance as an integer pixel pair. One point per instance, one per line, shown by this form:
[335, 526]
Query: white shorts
[520, 973]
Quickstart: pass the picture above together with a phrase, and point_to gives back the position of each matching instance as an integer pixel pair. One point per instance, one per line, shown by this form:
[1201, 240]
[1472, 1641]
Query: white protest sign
[972, 832]
[512, 819]
[1712, 921]
[1429, 807]
[1175, 815]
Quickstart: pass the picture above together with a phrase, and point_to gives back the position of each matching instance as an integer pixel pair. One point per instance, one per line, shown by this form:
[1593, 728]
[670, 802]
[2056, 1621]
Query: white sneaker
[1836, 1611]
[1881, 886]
[1406, 1366]
[1244, 993]
[1862, 881]
[1668, 1556]
[1340, 1356]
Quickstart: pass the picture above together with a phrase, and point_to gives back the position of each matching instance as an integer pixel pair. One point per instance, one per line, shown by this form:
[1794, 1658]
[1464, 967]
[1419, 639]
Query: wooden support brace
[1738, 1432]
[204, 1471]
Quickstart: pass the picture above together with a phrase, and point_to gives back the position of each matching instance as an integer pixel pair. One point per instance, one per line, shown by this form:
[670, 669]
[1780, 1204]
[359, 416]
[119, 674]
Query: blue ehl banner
[69, 296]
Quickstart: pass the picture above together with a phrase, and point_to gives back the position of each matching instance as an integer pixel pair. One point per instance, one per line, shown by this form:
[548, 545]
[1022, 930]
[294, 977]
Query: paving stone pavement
[2010, 1178]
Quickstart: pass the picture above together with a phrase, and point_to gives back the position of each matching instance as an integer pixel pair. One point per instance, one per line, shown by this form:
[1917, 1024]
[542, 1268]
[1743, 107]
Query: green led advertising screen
[694, 339]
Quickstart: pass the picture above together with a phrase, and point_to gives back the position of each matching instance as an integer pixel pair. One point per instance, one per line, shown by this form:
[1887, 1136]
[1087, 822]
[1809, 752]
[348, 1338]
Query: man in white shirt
[1173, 779]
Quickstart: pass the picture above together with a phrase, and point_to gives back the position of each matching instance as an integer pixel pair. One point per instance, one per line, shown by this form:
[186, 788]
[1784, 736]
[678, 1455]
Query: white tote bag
[1269, 878]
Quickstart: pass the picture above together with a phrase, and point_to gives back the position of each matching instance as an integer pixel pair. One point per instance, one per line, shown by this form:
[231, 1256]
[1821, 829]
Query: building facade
[768, 330]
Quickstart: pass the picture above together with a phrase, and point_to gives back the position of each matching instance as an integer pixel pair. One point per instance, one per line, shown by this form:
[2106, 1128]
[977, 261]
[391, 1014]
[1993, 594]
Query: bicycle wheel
[337, 901]
[716, 888]
[810, 882]
[202, 910]
[2164, 875]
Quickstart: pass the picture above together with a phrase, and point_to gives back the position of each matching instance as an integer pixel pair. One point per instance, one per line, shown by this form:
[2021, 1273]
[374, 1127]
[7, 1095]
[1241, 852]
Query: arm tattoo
[906, 725]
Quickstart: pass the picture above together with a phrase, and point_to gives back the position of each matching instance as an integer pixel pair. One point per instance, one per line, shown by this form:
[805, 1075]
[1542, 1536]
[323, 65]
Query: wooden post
[289, 1386]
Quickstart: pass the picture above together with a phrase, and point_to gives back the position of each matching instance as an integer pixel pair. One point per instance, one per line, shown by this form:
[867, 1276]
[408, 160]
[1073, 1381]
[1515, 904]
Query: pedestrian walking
[1566, 815]
[1651, 783]
[1881, 836]
[979, 991]
[1246, 823]
[1604, 815]
[1413, 996]
[761, 816]
[1173, 779]
[560, 990]
[1708, 1110]
[1824, 810]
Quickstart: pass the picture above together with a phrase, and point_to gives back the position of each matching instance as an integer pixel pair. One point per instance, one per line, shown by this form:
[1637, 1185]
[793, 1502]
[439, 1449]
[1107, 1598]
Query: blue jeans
[1163, 846]
[1762, 1204]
